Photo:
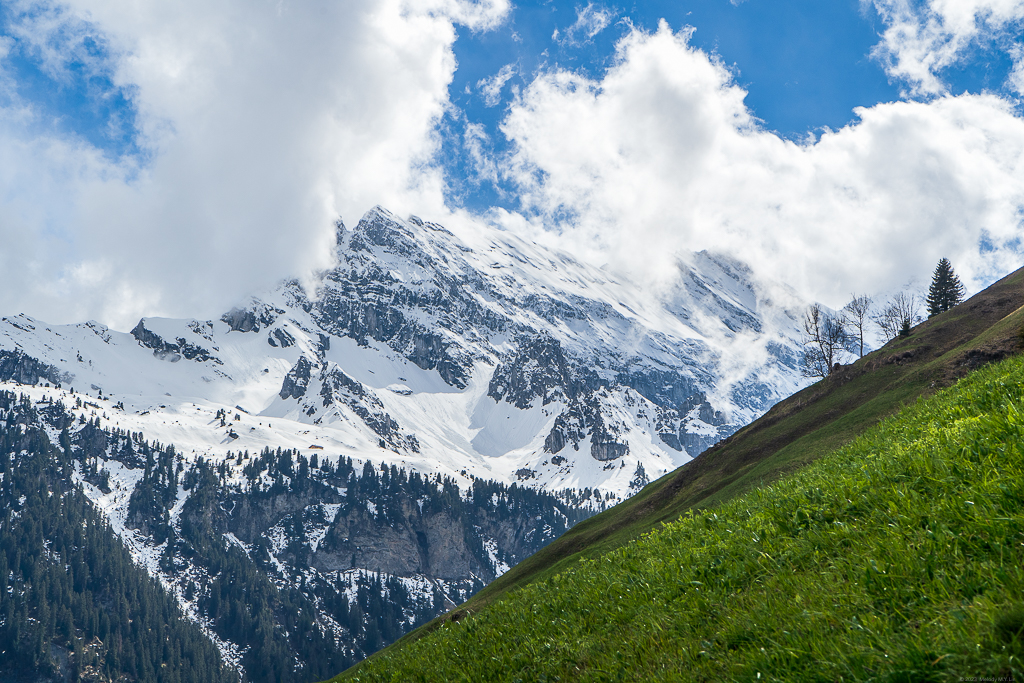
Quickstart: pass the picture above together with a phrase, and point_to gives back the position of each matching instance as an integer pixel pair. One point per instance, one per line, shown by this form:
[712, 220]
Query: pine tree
[946, 291]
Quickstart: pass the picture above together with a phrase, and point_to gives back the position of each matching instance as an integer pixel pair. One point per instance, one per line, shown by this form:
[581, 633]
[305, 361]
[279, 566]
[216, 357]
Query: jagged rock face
[251, 319]
[324, 391]
[279, 337]
[165, 350]
[297, 379]
[432, 544]
[366, 310]
[365, 298]
[538, 370]
[337, 388]
[419, 539]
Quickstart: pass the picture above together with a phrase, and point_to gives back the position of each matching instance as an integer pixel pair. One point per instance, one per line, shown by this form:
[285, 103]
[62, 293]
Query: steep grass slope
[897, 557]
[792, 434]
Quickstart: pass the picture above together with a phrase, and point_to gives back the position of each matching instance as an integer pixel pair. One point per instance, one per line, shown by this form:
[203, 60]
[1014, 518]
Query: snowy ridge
[477, 355]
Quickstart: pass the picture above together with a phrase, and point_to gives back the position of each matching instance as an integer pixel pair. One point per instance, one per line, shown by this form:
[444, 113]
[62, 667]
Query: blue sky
[237, 132]
[76, 95]
[804, 64]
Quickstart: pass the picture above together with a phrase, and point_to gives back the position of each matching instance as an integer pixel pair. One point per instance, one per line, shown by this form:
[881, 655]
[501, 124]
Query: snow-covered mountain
[480, 356]
[332, 463]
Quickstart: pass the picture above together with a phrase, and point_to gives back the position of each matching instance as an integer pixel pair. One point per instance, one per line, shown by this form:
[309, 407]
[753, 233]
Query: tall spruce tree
[946, 291]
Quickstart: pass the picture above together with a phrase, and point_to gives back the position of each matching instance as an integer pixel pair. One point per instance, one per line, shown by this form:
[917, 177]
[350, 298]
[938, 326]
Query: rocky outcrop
[432, 543]
[336, 389]
[411, 537]
[279, 337]
[17, 366]
[297, 379]
[172, 352]
[571, 427]
[365, 310]
[603, 451]
[538, 369]
[251, 319]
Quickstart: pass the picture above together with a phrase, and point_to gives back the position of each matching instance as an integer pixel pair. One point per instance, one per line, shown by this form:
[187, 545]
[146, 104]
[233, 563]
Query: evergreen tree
[946, 291]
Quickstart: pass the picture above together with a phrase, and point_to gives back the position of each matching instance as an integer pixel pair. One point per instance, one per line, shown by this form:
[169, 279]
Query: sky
[173, 158]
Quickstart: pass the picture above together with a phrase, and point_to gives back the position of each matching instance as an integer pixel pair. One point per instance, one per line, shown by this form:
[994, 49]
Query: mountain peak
[546, 371]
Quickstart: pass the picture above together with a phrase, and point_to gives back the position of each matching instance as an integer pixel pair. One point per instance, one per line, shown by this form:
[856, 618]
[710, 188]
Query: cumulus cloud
[259, 123]
[661, 157]
[923, 38]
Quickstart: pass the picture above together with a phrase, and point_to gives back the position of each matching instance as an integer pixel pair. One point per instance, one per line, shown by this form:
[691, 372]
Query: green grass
[794, 433]
[897, 557]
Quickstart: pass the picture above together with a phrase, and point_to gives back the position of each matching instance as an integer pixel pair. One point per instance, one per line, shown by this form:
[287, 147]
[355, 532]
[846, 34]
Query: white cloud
[491, 87]
[474, 142]
[1015, 81]
[590, 21]
[262, 122]
[661, 157]
[923, 38]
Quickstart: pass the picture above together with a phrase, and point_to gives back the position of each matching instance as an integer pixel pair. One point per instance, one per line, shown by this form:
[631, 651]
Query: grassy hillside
[794, 433]
[897, 557]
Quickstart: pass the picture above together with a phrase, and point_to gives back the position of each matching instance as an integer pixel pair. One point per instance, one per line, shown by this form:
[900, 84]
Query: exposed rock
[297, 379]
[610, 450]
[16, 366]
[251, 319]
[280, 338]
[571, 427]
[172, 352]
[538, 370]
[339, 388]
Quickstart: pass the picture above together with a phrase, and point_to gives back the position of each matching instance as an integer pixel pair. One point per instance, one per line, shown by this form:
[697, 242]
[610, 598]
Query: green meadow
[896, 557]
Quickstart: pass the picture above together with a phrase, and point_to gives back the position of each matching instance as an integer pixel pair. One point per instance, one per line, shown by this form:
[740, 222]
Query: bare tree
[901, 313]
[825, 340]
[858, 312]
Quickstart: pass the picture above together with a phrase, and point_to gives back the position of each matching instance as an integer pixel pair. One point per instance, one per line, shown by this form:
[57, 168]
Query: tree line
[829, 337]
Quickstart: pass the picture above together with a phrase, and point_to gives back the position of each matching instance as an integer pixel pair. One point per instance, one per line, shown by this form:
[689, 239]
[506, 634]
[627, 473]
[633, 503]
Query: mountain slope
[293, 567]
[897, 557]
[73, 604]
[795, 432]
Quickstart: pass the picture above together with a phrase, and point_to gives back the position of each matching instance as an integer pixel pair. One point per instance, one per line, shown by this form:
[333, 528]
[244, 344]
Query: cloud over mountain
[245, 129]
[661, 155]
[257, 123]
